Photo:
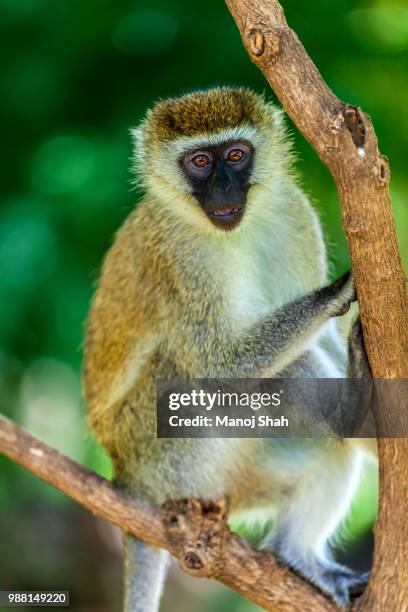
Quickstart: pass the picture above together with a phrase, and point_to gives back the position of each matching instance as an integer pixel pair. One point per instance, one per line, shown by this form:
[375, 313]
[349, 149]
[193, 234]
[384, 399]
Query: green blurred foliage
[75, 77]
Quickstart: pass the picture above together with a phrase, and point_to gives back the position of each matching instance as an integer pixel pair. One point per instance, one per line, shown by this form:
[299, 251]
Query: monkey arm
[278, 340]
[122, 329]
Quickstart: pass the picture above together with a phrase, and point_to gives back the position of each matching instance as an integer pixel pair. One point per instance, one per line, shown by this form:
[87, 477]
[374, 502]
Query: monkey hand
[343, 293]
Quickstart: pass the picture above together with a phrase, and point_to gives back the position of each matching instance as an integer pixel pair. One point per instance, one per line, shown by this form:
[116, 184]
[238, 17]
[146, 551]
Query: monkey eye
[201, 160]
[235, 155]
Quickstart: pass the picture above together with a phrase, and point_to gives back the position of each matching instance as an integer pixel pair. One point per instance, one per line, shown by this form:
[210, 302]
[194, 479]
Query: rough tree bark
[344, 138]
[197, 534]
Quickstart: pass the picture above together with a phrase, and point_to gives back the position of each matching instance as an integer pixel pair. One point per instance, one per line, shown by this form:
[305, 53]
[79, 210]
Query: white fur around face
[267, 238]
[159, 169]
[164, 162]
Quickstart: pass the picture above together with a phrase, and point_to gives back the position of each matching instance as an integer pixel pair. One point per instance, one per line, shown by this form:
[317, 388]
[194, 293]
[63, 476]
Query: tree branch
[196, 533]
[344, 138]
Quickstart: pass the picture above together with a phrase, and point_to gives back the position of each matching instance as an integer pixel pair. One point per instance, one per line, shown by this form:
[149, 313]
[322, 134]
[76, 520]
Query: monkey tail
[145, 573]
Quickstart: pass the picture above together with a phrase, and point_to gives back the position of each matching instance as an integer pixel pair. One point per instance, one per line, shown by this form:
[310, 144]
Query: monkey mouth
[227, 213]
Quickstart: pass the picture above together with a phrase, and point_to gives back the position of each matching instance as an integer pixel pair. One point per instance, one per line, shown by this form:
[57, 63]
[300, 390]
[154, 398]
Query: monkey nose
[222, 187]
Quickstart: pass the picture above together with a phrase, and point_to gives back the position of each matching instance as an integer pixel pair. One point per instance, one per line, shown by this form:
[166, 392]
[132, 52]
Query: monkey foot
[339, 582]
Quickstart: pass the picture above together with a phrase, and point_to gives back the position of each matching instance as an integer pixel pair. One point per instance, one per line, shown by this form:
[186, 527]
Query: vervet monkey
[221, 271]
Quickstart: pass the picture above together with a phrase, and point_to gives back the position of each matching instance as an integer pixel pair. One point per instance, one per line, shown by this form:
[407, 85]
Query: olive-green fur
[204, 112]
[165, 299]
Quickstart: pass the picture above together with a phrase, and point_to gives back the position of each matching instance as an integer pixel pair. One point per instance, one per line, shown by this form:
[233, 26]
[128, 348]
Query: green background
[75, 76]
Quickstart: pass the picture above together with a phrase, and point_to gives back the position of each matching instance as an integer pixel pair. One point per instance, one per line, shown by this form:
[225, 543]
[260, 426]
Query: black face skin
[220, 177]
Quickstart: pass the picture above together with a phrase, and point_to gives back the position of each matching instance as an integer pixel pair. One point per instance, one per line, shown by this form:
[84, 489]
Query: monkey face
[220, 178]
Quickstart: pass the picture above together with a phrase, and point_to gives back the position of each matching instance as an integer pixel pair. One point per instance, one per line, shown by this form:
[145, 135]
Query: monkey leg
[145, 573]
[358, 366]
[360, 403]
[311, 513]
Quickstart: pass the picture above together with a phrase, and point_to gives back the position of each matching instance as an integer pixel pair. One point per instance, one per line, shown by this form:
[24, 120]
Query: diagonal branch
[344, 138]
[194, 532]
